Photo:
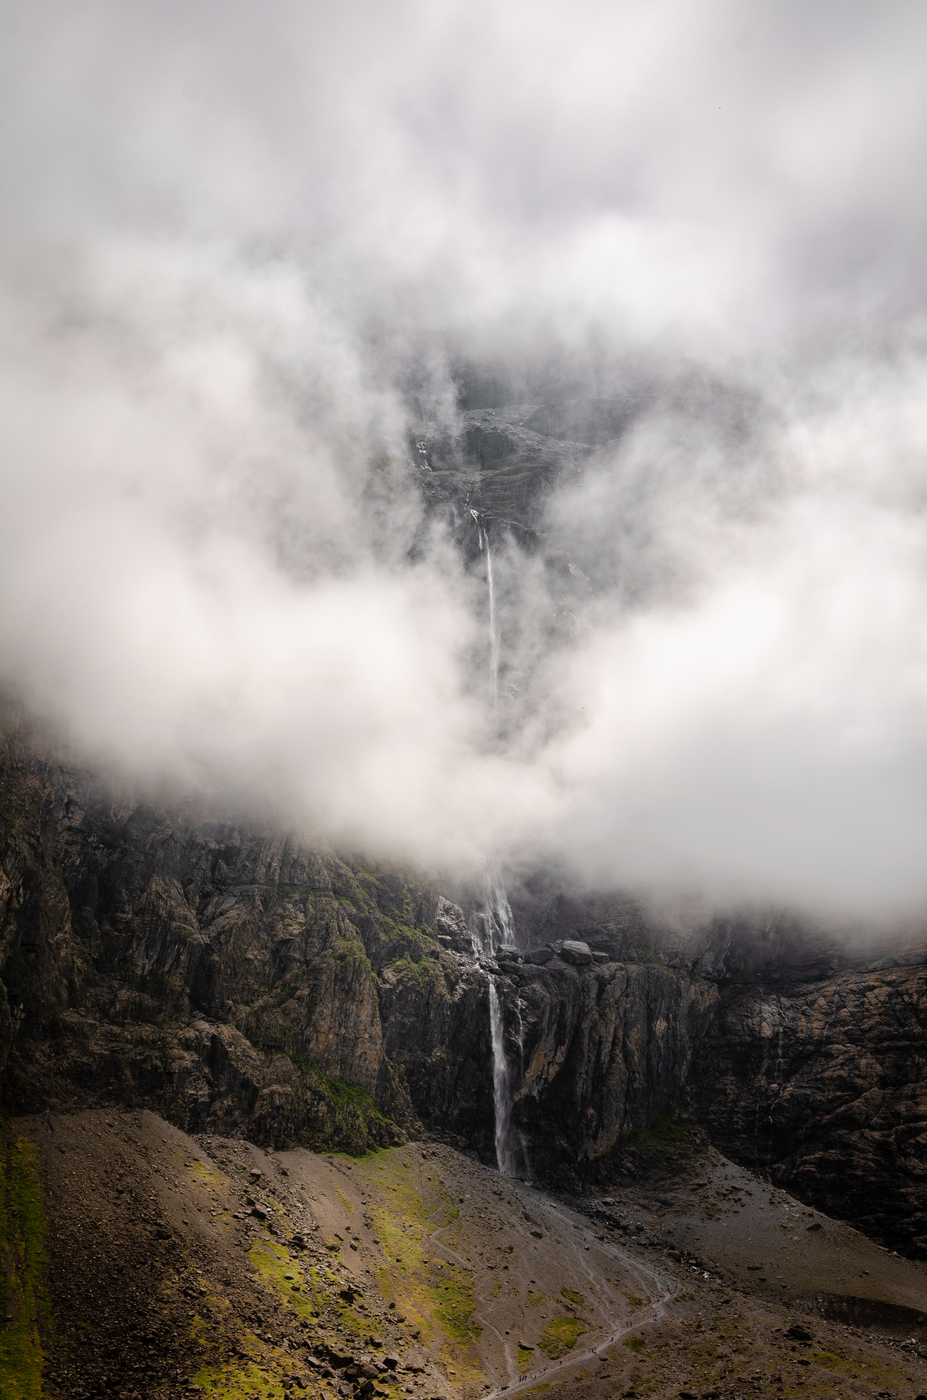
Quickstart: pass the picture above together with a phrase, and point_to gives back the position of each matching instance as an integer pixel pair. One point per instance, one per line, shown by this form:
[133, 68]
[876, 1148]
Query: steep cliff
[223, 973]
[603, 1050]
[244, 982]
[802, 1053]
[822, 1083]
[240, 981]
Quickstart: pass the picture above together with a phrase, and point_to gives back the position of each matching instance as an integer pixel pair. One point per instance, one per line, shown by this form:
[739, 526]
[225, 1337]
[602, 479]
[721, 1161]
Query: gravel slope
[177, 1267]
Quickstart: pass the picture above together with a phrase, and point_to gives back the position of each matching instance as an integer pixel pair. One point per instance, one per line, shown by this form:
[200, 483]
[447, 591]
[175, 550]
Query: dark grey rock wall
[240, 981]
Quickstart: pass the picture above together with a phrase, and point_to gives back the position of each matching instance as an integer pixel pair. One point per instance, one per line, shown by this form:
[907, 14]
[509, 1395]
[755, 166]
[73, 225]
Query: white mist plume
[238, 246]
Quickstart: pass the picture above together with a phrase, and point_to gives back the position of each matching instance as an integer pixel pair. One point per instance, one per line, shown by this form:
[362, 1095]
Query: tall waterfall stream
[500, 928]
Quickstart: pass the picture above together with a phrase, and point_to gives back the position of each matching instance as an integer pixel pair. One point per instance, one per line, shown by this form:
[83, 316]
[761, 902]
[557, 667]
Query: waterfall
[493, 628]
[501, 1089]
[499, 923]
[500, 933]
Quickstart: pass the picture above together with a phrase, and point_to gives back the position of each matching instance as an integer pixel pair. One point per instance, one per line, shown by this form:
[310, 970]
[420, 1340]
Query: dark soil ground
[140, 1262]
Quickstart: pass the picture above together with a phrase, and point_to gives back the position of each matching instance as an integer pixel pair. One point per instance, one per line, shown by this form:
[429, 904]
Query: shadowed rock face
[824, 1084]
[227, 975]
[242, 982]
[604, 1049]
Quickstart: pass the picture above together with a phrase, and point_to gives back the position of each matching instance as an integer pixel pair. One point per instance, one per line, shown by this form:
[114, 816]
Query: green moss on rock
[24, 1305]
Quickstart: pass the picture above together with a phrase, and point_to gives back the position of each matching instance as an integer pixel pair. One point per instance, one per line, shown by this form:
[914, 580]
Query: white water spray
[499, 926]
[493, 629]
[500, 934]
[501, 1089]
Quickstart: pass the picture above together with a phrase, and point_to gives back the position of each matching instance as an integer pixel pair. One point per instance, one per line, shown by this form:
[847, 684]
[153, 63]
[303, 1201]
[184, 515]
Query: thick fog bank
[310, 318]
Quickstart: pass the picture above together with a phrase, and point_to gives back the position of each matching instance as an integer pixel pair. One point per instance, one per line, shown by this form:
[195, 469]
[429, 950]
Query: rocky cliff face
[823, 1084]
[603, 1049]
[227, 975]
[242, 982]
[804, 1055]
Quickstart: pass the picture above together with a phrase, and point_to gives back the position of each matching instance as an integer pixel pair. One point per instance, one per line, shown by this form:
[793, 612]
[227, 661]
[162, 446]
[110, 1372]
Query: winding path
[585, 1238]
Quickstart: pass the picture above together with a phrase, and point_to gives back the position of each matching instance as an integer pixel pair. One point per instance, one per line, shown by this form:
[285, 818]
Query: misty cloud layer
[249, 255]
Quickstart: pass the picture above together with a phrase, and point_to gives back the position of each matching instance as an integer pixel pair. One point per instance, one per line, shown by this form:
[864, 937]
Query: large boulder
[451, 929]
[538, 956]
[572, 951]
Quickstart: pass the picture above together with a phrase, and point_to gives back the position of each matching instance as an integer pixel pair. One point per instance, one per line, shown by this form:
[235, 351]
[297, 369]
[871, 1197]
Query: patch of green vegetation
[23, 1262]
[545, 1385]
[577, 1299]
[560, 1336]
[684, 1298]
[525, 1358]
[455, 1306]
[537, 1299]
[348, 1095]
[385, 892]
[649, 955]
[422, 970]
[202, 1327]
[664, 1137]
[271, 1262]
[864, 1366]
[238, 1383]
[635, 1344]
[352, 1116]
[202, 1175]
[323, 1291]
[438, 1295]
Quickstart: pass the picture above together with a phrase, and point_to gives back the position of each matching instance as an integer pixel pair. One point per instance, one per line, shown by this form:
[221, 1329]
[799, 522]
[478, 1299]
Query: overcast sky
[235, 237]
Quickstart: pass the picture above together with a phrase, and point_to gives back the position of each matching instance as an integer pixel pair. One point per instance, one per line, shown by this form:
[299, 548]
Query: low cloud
[246, 263]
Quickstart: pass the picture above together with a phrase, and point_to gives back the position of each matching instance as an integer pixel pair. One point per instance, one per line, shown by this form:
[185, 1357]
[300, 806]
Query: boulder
[538, 956]
[451, 929]
[579, 954]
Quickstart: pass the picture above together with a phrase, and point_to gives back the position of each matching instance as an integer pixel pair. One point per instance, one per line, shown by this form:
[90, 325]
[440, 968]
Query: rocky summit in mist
[463, 679]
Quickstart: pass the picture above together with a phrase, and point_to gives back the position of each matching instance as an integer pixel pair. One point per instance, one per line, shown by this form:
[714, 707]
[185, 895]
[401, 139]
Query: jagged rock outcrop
[242, 982]
[802, 1053]
[822, 1082]
[225, 974]
[605, 1047]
